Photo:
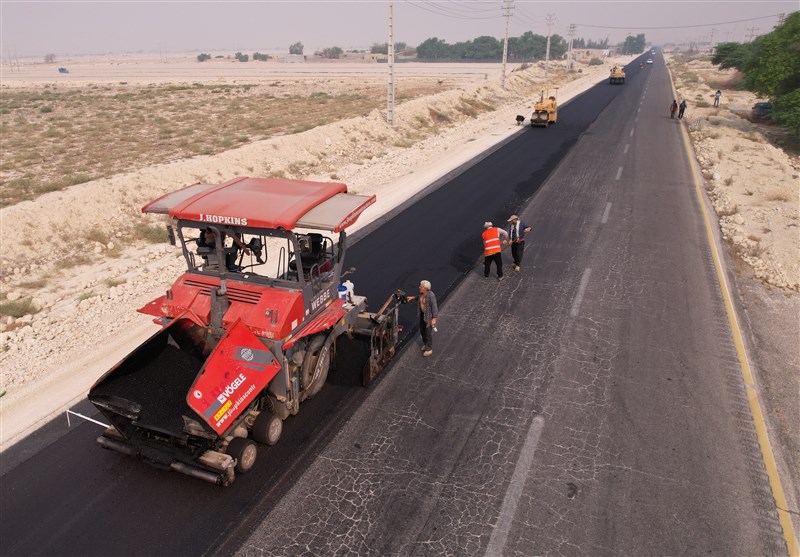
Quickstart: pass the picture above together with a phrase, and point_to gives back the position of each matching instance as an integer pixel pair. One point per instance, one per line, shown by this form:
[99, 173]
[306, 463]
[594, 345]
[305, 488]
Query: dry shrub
[777, 196]
[34, 284]
[149, 233]
[94, 132]
[439, 116]
[728, 211]
[74, 261]
[96, 235]
[18, 308]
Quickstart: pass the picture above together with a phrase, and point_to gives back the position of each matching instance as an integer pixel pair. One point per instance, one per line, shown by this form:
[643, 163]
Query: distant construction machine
[617, 76]
[545, 111]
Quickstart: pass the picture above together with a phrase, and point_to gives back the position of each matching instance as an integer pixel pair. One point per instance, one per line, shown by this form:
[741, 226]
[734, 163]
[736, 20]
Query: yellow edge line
[744, 363]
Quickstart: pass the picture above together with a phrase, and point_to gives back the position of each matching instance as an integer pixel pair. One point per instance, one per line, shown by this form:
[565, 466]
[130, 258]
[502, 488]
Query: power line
[678, 26]
[469, 7]
[446, 11]
[523, 17]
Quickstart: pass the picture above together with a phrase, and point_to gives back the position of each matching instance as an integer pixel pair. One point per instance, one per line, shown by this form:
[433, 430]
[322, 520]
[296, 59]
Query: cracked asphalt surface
[623, 399]
[591, 404]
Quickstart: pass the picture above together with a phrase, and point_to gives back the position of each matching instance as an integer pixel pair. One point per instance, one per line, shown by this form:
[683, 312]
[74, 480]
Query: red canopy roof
[265, 203]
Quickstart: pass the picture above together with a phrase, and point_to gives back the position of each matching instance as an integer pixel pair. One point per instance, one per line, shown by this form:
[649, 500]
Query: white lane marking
[514, 492]
[581, 289]
[619, 172]
[605, 213]
[631, 133]
[636, 119]
[627, 145]
[638, 110]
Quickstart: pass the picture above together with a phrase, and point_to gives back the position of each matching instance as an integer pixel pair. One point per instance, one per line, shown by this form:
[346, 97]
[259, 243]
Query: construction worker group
[494, 238]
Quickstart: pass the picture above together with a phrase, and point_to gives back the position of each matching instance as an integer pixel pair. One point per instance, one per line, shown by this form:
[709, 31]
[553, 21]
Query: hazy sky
[34, 28]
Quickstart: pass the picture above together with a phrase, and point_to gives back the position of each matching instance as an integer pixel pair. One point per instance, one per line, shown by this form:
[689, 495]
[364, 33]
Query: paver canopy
[265, 203]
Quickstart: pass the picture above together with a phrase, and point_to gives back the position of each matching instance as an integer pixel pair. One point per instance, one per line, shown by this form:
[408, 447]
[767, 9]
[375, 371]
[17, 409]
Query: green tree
[558, 46]
[296, 48]
[731, 55]
[457, 51]
[528, 46]
[433, 49]
[383, 48]
[332, 53]
[634, 45]
[597, 44]
[485, 48]
[786, 110]
[241, 57]
[774, 68]
[261, 57]
[203, 57]
[771, 65]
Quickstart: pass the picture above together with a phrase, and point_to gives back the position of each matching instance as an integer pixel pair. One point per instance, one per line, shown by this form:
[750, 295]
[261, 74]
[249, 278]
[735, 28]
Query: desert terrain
[78, 258]
[78, 261]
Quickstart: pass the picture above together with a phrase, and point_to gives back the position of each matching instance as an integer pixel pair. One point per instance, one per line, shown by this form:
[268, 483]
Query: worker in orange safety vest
[493, 241]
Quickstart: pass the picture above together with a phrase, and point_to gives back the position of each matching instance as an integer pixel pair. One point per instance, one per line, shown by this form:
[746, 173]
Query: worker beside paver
[492, 248]
[516, 232]
[428, 312]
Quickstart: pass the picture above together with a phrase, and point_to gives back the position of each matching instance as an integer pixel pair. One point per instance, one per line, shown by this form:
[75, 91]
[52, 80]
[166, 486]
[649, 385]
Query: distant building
[294, 58]
[586, 54]
[377, 57]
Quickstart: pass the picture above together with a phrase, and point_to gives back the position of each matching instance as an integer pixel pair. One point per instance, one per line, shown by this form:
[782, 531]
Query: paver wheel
[317, 362]
[267, 428]
[245, 452]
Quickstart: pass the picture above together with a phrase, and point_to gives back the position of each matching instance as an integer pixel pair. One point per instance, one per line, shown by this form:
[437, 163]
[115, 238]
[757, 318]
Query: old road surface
[591, 404]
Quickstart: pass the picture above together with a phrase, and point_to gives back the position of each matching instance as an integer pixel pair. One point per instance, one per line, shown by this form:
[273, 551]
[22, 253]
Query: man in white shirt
[516, 232]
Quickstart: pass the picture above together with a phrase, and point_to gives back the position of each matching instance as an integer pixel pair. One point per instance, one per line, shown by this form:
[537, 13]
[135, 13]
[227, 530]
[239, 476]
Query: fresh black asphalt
[589, 405]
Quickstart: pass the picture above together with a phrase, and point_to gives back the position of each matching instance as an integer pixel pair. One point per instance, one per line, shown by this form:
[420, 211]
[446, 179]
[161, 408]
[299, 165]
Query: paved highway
[589, 405]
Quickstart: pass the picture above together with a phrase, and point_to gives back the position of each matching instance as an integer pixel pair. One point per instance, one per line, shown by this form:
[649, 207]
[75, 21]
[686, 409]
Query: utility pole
[390, 51]
[12, 59]
[508, 5]
[571, 35]
[752, 34]
[711, 41]
[781, 18]
[550, 19]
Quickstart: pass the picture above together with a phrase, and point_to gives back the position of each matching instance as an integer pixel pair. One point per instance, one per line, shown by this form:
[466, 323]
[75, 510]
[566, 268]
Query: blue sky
[34, 28]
